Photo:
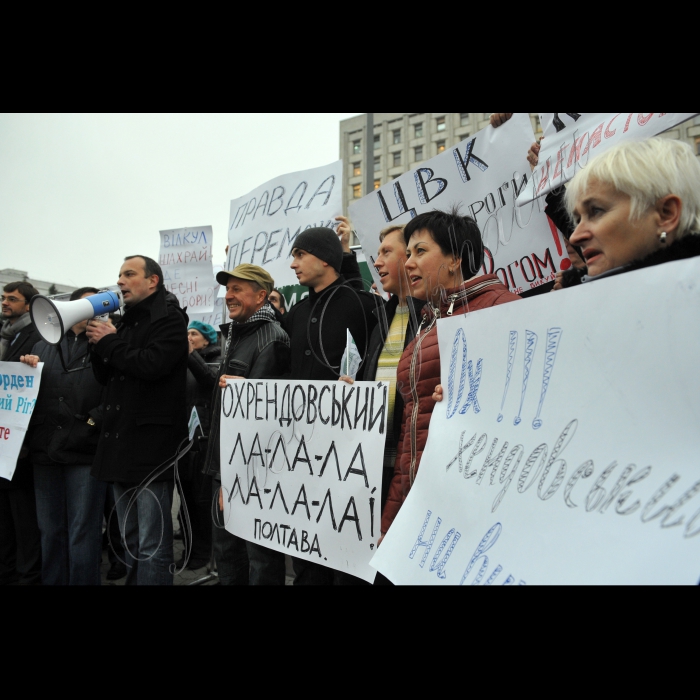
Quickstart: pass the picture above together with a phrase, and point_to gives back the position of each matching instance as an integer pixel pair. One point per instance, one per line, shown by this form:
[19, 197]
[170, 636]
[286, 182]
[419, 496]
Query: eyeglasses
[12, 300]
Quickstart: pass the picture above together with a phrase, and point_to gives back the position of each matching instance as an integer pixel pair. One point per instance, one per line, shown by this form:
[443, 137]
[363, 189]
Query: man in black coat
[317, 329]
[63, 435]
[143, 365]
[20, 543]
[256, 348]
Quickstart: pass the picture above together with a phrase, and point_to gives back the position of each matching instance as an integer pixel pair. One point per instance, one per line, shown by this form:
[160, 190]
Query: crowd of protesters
[110, 421]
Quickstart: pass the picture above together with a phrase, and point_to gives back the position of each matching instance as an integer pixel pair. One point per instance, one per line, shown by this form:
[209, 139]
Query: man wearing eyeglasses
[20, 544]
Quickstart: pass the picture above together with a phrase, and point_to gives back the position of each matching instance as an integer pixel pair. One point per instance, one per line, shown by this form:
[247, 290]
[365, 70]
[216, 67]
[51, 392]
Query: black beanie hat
[323, 243]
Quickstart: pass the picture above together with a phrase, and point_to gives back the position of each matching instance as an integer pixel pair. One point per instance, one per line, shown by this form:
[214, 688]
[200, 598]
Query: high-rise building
[403, 141]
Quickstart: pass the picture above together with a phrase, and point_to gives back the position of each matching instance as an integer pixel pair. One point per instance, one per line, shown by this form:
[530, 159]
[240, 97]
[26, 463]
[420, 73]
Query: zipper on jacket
[452, 298]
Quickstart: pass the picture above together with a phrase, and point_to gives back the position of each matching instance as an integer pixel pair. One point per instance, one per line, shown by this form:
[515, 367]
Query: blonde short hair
[389, 229]
[645, 171]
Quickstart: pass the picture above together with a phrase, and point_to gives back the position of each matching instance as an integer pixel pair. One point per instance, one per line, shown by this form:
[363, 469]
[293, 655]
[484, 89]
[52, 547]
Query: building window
[464, 137]
[418, 131]
[440, 146]
[377, 163]
[357, 146]
[396, 177]
[697, 146]
[440, 124]
[356, 169]
[357, 191]
[397, 135]
[418, 150]
[397, 158]
[464, 119]
[377, 184]
[377, 141]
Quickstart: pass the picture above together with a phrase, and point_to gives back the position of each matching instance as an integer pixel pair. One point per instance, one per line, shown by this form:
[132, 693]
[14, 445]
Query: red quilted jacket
[418, 375]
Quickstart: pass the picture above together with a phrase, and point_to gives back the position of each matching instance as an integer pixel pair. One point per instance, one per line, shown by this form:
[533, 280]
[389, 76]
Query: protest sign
[484, 175]
[264, 223]
[301, 468]
[185, 256]
[19, 387]
[565, 449]
[564, 152]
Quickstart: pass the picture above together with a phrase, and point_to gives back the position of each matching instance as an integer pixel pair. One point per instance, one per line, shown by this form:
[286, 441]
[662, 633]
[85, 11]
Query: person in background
[143, 365]
[64, 431]
[277, 300]
[445, 254]
[202, 372]
[256, 348]
[635, 206]
[20, 540]
[317, 328]
[398, 320]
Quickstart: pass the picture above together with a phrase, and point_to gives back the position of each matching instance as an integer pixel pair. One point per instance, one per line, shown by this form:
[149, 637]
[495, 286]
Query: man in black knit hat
[317, 331]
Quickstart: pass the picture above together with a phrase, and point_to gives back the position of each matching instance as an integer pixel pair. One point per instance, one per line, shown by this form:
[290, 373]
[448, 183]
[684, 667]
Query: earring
[662, 238]
[452, 271]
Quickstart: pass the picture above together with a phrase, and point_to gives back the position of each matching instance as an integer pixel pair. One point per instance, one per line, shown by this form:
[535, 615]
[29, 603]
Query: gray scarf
[9, 331]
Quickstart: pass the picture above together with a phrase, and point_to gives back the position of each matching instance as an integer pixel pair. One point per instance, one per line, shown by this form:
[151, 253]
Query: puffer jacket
[419, 374]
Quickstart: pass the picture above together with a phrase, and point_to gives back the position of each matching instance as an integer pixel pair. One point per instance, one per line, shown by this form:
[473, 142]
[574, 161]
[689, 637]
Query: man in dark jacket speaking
[143, 364]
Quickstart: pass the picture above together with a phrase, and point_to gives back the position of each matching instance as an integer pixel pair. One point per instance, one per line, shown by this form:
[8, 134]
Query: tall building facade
[403, 141]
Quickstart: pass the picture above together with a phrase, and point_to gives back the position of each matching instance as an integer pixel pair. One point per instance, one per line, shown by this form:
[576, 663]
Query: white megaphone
[53, 317]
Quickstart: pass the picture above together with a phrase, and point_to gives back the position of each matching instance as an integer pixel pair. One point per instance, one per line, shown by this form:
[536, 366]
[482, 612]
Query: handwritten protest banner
[264, 223]
[564, 152]
[19, 387]
[565, 449]
[301, 468]
[185, 256]
[484, 175]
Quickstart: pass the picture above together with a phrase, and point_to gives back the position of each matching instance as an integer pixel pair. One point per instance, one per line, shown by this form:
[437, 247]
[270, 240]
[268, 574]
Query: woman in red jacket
[445, 254]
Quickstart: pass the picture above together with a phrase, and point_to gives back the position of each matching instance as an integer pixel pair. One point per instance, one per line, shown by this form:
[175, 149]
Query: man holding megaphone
[143, 365]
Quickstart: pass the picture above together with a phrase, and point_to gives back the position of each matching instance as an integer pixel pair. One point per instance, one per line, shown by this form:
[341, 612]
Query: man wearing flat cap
[256, 348]
[317, 329]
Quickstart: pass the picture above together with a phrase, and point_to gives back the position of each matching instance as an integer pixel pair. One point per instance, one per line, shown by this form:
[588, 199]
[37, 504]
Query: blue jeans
[267, 566]
[69, 504]
[147, 533]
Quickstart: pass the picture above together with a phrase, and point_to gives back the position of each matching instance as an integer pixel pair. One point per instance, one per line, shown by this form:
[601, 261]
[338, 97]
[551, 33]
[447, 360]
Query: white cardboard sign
[264, 223]
[585, 136]
[484, 175]
[566, 449]
[19, 388]
[301, 468]
[185, 256]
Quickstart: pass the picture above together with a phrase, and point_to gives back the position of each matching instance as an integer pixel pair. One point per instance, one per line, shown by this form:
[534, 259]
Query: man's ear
[152, 278]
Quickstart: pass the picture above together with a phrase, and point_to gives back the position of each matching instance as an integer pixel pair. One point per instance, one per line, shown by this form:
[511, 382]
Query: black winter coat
[317, 325]
[202, 377]
[258, 350]
[58, 431]
[385, 315]
[22, 344]
[144, 367]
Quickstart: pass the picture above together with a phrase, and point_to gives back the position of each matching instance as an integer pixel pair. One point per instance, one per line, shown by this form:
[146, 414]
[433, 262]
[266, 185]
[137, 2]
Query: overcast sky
[78, 192]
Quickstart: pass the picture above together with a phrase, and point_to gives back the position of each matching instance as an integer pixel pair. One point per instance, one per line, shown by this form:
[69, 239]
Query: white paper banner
[483, 174]
[566, 152]
[19, 387]
[264, 223]
[301, 468]
[185, 256]
[574, 459]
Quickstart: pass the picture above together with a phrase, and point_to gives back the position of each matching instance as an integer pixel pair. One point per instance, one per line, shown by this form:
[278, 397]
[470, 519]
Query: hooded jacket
[419, 374]
[143, 367]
